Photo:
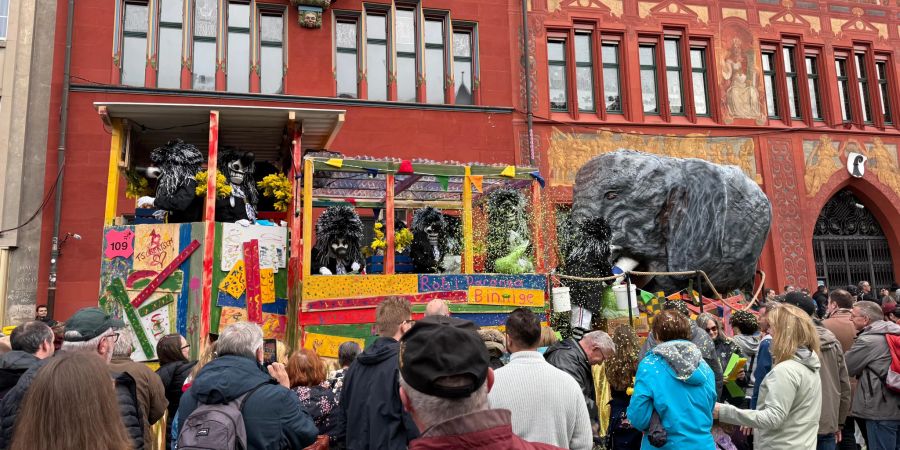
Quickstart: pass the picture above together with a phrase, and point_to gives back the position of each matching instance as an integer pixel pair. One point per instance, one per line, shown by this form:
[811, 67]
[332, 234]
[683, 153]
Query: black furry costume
[241, 204]
[338, 224]
[428, 258]
[505, 213]
[588, 257]
[176, 192]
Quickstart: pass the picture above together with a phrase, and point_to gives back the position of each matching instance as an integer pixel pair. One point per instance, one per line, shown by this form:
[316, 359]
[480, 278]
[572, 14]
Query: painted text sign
[119, 243]
[485, 295]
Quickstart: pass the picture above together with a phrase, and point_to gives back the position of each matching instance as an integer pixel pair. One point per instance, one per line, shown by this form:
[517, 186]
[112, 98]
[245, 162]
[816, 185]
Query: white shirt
[546, 403]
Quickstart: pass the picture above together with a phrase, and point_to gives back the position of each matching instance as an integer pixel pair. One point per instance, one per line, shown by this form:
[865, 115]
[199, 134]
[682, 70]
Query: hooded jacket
[273, 416]
[150, 392]
[675, 381]
[569, 357]
[703, 342]
[835, 383]
[370, 414]
[790, 402]
[12, 365]
[749, 345]
[869, 360]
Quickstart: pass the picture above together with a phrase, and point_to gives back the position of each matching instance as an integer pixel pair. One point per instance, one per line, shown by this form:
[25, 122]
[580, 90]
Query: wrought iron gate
[849, 245]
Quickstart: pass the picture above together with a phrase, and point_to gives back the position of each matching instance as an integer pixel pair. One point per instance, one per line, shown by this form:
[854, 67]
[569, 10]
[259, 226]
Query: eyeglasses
[186, 346]
[409, 321]
[114, 336]
[710, 329]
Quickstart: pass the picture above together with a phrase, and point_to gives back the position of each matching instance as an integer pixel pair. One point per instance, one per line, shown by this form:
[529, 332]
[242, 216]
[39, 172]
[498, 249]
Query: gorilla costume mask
[176, 163]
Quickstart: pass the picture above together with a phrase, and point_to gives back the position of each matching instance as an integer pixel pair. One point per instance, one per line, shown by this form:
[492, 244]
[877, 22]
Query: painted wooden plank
[361, 331]
[254, 292]
[279, 306]
[215, 312]
[117, 290]
[389, 224]
[371, 302]
[171, 284]
[537, 227]
[464, 308]
[347, 316]
[182, 257]
[156, 304]
[484, 295]
[112, 176]
[468, 245]
[322, 287]
[307, 220]
[327, 345]
[209, 219]
[236, 282]
[181, 308]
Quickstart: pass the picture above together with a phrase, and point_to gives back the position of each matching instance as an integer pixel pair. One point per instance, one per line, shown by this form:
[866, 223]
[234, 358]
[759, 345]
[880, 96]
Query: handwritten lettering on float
[482, 295]
[119, 243]
[433, 283]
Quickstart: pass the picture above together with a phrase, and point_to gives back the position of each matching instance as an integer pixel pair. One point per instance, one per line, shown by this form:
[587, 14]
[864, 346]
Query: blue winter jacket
[763, 367]
[674, 380]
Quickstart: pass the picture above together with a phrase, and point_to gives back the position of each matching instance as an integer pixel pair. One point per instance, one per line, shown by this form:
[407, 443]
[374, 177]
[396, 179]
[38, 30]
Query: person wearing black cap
[89, 330]
[445, 378]
[833, 373]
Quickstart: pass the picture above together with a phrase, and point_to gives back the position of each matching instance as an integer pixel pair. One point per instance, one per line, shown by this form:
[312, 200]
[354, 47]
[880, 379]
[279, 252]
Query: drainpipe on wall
[4, 283]
[60, 160]
[527, 56]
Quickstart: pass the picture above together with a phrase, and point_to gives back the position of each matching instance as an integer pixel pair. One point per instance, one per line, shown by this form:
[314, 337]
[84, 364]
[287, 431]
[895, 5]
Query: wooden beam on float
[468, 247]
[113, 175]
[537, 224]
[295, 280]
[307, 216]
[389, 224]
[209, 219]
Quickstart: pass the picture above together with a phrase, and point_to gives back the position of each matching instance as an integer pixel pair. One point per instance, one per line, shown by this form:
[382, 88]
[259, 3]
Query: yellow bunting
[509, 171]
[335, 162]
[477, 181]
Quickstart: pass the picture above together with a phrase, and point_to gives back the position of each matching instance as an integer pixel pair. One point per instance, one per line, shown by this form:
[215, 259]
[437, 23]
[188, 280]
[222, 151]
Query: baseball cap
[440, 346]
[801, 301]
[88, 323]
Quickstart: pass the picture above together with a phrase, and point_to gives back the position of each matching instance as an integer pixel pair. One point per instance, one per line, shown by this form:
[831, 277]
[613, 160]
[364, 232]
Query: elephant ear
[695, 213]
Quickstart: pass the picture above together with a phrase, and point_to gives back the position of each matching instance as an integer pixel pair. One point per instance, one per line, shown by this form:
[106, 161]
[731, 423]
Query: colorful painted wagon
[195, 278]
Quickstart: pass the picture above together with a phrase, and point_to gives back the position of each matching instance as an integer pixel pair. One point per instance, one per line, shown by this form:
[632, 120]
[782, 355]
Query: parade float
[242, 215]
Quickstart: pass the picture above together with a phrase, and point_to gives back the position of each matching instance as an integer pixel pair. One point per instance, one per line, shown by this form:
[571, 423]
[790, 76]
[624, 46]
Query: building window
[790, 74]
[862, 79]
[376, 56]
[238, 77]
[812, 80]
[406, 55]
[611, 91]
[556, 57]
[698, 81]
[347, 57]
[768, 64]
[463, 69]
[584, 71]
[843, 84]
[881, 69]
[134, 44]
[672, 50]
[434, 60]
[204, 56]
[271, 52]
[647, 60]
[169, 51]
[4, 18]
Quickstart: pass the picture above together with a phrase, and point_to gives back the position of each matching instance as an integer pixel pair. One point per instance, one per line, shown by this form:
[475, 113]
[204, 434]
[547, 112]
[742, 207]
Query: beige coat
[835, 383]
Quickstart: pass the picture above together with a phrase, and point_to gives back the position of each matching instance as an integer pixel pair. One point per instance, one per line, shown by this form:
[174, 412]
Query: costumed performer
[507, 236]
[429, 244]
[339, 234]
[176, 164]
[240, 206]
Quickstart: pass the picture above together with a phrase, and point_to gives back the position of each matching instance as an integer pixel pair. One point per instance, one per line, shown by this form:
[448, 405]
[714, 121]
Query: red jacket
[490, 429]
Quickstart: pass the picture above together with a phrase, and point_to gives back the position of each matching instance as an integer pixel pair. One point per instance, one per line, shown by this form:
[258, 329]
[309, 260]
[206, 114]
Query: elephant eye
[611, 195]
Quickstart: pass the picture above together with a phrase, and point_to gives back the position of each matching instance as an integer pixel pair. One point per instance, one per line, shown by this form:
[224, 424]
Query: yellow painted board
[307, 218]
[486, 295]
[112, 180]
[326, 345]
[322, 287]
[468, 245]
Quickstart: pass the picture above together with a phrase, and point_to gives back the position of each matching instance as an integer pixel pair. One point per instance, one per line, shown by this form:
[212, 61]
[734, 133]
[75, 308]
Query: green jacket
[787, 414]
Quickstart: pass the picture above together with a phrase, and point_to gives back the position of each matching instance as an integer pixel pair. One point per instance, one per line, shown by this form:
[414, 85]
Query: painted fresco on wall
[826, 156]
[740, 78]
[570, 151]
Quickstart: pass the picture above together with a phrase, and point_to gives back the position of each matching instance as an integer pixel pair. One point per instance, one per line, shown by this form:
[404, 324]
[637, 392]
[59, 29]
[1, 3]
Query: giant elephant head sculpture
[672, 215]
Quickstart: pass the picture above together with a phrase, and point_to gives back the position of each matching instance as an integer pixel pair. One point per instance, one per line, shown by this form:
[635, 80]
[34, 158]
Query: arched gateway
[849, 245]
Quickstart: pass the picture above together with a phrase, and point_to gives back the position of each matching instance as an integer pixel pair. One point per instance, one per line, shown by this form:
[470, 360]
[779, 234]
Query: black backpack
[217, 426]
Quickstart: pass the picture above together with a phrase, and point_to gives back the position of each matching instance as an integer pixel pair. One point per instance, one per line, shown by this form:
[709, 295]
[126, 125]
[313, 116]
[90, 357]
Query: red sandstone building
[784, 90]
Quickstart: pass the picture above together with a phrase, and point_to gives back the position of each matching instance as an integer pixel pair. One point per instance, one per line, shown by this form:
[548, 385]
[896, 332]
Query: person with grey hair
[437, 307]
[347, 353]
[272, 414]
[30, 343]
[444, 383]
[869, 359]
[576, 358]
[149, 390]
[89, 330]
